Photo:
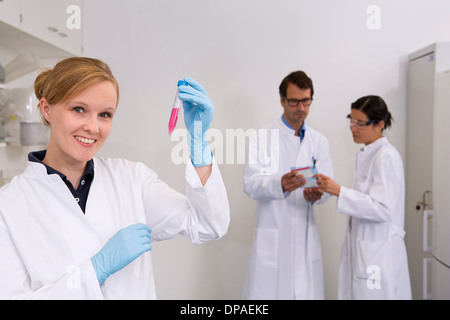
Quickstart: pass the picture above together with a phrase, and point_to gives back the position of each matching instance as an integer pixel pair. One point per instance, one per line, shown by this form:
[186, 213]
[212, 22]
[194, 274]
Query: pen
[314, 161]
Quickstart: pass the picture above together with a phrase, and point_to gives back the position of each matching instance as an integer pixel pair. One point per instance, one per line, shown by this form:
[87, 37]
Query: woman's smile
[85, 141]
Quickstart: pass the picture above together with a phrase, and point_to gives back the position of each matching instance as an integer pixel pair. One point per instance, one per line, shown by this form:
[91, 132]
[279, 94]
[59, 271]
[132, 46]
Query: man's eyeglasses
[358, 123]
[295, 102]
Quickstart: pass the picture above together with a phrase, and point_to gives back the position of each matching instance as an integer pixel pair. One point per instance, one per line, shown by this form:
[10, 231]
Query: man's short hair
[300, 79]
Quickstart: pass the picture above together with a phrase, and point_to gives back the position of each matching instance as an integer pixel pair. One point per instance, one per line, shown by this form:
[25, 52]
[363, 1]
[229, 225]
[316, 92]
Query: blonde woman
[76, 226]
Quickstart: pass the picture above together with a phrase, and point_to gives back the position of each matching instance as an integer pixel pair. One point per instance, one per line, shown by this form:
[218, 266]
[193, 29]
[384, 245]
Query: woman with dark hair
[373, 260]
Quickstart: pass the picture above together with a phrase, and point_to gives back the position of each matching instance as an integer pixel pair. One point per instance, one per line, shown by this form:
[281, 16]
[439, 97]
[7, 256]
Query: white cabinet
[427, 156]
[56, 22]
[440, 243]
[10, 12]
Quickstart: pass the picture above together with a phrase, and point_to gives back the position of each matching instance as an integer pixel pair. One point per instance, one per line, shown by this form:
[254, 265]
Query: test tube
[176, 108]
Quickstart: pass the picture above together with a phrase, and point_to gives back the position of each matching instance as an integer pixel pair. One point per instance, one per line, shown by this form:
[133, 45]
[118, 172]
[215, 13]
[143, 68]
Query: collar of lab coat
[37, 170]
[288, 130]
[301, 131]
[38, 156]
[374, 145]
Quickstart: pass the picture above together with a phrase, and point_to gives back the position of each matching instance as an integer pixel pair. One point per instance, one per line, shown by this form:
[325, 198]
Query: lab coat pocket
[372, 271]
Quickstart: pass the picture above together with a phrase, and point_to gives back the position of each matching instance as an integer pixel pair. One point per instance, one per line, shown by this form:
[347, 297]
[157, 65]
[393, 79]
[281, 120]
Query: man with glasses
[286, 260]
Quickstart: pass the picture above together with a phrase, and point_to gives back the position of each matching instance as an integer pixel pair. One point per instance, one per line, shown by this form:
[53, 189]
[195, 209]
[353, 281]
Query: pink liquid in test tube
[173, 119]
[175, 109]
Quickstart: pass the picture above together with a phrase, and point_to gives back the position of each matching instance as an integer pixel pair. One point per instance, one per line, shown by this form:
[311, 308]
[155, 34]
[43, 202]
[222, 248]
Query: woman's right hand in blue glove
[124, 247]
[198, 114]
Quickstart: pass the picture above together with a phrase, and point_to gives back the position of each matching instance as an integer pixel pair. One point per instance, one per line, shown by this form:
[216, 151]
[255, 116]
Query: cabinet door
[419, 164]
[441, 170]
[55, 22]
[10, 12]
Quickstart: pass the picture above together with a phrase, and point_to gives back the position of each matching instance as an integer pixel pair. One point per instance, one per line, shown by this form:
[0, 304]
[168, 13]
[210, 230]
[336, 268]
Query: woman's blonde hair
[70, 77]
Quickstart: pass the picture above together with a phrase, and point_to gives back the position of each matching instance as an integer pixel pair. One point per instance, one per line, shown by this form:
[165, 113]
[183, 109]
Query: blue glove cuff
[101, 274]
[201, 154]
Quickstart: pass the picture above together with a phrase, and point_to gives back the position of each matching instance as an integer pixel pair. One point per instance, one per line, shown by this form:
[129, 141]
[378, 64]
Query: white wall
[240, 51]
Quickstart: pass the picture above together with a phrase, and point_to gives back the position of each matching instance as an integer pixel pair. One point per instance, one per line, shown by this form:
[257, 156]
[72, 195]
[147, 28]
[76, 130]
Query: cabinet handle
[427, 214]
[52, 29]
[62, 35]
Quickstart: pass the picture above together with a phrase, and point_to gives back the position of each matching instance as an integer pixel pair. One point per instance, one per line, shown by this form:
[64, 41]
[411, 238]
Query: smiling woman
[80, 126]
[88, 217]
[77, 99]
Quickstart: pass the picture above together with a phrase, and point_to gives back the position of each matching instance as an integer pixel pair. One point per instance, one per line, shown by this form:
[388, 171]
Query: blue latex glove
[125, 246]
[198, 114]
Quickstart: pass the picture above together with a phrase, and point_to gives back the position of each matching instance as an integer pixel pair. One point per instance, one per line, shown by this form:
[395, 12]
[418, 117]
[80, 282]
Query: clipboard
[307, 172]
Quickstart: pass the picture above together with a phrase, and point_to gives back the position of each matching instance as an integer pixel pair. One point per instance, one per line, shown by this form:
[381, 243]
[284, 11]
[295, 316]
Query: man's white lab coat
[286, 260]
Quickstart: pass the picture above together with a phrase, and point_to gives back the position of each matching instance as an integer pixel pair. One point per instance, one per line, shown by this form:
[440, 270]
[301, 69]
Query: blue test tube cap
[182, 83]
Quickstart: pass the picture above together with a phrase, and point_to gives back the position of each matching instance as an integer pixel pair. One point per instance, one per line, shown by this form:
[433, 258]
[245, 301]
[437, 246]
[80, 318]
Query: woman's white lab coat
[373, 259]
[286, 260]
[47, 242]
